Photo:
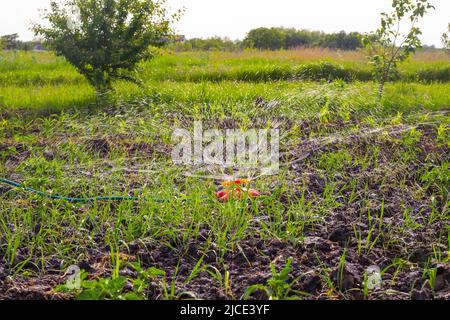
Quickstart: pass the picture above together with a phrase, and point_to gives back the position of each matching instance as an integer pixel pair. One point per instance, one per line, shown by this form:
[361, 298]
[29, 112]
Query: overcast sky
[234, 18]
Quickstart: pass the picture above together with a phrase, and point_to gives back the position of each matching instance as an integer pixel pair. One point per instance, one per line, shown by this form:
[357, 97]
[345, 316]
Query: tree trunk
[381, 88]
[383, 80]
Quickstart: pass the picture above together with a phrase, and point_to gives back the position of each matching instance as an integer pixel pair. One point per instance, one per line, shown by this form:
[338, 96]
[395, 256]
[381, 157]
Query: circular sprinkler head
[234, 189]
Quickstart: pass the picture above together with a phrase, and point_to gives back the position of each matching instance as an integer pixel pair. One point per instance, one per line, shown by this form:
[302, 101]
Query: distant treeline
[12, 42]
[275, 39]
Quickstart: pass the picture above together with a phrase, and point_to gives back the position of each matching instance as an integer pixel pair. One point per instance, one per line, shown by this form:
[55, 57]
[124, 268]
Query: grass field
[363, 182]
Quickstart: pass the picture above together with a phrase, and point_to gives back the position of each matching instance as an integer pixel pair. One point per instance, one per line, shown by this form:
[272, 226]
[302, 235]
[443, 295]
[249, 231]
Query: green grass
[42, 83]
[361, 179]
[225, 98]
[40, 69]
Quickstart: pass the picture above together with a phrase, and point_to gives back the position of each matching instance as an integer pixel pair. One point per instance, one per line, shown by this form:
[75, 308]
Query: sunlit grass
[358, 175]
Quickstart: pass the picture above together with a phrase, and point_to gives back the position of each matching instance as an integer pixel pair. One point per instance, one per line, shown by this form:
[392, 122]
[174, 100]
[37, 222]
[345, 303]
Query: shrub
[105, 39]
[323, 70]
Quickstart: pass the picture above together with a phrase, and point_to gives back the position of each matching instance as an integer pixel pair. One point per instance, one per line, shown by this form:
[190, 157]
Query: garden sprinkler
[234, 189]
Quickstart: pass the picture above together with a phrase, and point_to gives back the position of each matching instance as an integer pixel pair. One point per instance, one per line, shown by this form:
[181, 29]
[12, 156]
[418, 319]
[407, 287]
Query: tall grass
[45, 99]
[41, 69]
[43, 83]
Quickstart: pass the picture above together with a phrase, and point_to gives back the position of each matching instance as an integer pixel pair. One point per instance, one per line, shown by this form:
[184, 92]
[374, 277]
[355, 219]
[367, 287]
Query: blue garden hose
[70, 199]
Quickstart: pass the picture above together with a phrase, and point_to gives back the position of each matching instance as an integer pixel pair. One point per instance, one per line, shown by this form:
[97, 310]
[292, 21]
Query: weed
[278, 287]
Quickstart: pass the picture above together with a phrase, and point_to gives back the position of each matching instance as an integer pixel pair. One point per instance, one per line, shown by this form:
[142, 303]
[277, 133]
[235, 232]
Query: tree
[297, 38]
[288, 38]
[10, 41]
[342, 41]
[389, 46]
[106, 39]
[266, 39]
[446, 39]
[209, 44]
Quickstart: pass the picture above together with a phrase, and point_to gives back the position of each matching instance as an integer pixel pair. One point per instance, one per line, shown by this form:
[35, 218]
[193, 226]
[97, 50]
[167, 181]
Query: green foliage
[106, 39]
[335, 161]
[278, 287]
[446, 39]
[12, 42]
[389, 46]
[443, 135]
[40, 69]
[274, 39]
[9, 41]
[411, 137]
[266, 39]
[342, 41]
[438, 177]
[105, 289]
[209, 44]
[327, 71]
[115, 287]
[287, 38]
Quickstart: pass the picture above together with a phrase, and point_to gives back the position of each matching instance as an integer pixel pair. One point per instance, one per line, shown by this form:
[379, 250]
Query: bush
[106, 39]
[283, 38]
[440, 74]
[323, 70]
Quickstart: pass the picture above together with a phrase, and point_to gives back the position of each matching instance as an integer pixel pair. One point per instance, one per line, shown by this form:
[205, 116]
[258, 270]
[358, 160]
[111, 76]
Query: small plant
[429, 273]
[397, 119]
[374, 231]
[438, 177]
[115, 287]
[366, 284]
[278, 287]
[388, 46]
[223, 280]
[335, 161]
[443, 134]
[324, 113]
[446, 39]
[105, 289]
[341, 270]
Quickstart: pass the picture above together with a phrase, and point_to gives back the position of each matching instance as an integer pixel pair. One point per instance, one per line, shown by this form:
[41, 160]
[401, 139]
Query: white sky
[234, 18]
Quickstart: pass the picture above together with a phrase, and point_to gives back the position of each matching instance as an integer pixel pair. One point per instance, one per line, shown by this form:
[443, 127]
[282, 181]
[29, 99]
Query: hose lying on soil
[76, 199]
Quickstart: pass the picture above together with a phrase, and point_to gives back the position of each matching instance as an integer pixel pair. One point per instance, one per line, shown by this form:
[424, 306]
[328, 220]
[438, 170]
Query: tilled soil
[315, 262]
